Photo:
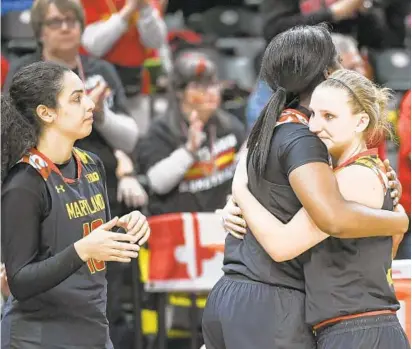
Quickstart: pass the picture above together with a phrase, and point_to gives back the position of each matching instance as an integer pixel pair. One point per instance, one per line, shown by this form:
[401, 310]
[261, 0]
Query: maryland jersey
[72, 314]
[351, 276]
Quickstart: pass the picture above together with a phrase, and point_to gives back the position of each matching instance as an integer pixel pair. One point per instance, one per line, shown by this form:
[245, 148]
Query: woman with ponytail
[288, 167]
[56, 225]
[350, 300]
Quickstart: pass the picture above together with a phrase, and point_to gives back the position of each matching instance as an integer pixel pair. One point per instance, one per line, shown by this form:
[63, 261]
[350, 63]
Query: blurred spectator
[4, 70]
[190, 7]
[347, 48]
[404, 169]
[58, 25]
[123, 32]
[398, 23]
[359, 18]
[189, 154]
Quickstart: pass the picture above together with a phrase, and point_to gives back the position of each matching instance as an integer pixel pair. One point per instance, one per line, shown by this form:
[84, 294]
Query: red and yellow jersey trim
[294, 116]
[369, 159]
[45, 166]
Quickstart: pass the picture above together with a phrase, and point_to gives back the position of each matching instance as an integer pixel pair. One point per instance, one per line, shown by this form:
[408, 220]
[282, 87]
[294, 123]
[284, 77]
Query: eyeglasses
[57, 23]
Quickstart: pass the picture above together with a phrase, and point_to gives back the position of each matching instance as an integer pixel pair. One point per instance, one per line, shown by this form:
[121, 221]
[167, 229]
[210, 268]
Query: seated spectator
[58, 25]
[123, 32]
[404, 169]
[347, 17]
[189, 154]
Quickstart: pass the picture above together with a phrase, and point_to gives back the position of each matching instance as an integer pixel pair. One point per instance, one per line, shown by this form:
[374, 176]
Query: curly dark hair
[35, 84]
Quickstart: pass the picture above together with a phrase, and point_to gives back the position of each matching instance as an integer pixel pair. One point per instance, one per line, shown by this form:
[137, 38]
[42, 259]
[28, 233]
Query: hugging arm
[286, 241]
[317, 189]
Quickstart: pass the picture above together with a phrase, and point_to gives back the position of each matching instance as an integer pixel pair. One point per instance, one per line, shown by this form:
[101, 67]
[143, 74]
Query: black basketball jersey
[247, 257]
[351, 276]
[72, 314]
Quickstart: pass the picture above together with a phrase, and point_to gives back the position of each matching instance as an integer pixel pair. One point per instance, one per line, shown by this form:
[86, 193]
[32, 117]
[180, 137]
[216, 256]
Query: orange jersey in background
[128, 50]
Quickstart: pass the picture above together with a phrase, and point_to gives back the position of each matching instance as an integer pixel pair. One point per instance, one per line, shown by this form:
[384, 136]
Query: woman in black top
[56, 226]
[288, 167]
[347, 281]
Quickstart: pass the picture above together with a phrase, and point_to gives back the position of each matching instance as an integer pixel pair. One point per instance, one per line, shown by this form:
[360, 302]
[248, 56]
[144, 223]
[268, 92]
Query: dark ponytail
[17, 135]
[261, 134]
[293, 64]
[33, 85]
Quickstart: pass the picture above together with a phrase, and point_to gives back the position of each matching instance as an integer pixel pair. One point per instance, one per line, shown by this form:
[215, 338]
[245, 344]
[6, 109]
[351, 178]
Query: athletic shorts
[20, 331]
[244, 314]
[369, 332]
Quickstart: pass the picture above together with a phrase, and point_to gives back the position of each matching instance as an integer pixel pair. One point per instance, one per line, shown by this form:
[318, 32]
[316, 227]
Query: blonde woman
[350, 300]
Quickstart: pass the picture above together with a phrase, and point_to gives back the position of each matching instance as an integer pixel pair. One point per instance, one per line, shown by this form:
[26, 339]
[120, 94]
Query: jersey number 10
[93, 264]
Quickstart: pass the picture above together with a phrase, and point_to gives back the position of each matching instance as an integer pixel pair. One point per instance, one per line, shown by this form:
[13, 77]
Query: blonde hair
[364, 96]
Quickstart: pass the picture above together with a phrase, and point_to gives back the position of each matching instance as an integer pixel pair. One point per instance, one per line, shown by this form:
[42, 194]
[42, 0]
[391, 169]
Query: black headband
[350, 90]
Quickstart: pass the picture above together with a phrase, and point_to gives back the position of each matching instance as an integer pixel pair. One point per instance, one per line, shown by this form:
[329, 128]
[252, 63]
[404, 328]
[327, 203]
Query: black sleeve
[23, 206]
[300, 148]
[281, 15]
[109, 74]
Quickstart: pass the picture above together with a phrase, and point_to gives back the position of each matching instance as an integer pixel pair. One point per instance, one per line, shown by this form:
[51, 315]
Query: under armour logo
[60, 189]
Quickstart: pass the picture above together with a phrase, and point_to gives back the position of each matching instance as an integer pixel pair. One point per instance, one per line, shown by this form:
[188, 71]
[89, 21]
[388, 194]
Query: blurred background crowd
[176, 87]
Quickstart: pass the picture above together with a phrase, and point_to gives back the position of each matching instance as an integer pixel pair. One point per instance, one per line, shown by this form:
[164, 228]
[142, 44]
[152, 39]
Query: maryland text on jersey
[85, 207]
[78, 208]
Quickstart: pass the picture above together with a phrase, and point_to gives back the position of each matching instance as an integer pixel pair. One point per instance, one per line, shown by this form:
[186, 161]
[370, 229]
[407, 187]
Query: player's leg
[378, 332]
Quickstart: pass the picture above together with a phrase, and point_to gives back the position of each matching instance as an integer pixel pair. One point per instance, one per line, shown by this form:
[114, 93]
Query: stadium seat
[17, 33]
[392, 68]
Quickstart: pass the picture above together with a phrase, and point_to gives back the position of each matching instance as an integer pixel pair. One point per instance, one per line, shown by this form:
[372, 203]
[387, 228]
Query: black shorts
[372, 332]
[244, 314]
[21, 331]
